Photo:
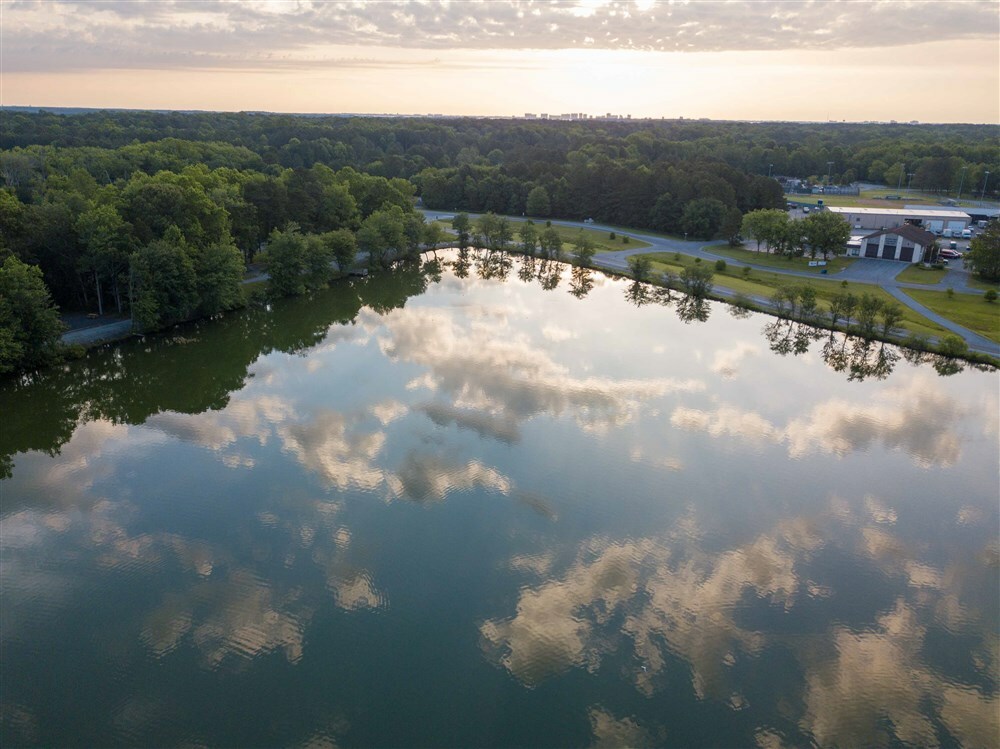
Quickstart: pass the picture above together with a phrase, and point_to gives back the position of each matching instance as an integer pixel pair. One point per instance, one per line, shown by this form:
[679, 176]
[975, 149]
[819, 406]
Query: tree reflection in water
[581, 282]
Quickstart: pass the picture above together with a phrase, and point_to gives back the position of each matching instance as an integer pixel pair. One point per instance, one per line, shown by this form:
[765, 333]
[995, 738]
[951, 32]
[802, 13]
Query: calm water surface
[520, 508]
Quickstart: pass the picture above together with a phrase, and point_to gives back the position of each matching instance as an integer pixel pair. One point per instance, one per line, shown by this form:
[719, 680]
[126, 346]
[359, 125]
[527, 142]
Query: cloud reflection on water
[673, 598]
[915, 418]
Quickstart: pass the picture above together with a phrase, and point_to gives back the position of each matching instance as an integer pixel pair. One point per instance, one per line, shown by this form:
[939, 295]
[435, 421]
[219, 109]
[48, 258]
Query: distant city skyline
[801, 61]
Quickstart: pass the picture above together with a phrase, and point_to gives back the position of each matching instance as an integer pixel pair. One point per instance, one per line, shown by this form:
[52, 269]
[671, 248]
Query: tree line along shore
[113, 213]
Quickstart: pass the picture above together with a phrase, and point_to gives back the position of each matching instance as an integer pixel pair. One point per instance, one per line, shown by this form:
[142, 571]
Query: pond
[491, 501]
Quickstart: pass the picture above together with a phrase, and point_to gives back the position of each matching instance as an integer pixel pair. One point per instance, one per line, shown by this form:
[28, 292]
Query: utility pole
[901, 173]
[985, 180]
[909, 184]
[961, 182]
[769, 169]
[829, 171]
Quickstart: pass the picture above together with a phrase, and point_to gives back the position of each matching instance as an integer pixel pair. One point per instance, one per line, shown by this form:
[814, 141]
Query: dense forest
[159, 214]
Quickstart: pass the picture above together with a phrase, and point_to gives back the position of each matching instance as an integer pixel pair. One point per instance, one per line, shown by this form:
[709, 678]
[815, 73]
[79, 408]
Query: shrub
[697, 259]
[990, 296]
[720, 265]
[746, 271]
[950, 292]
[917, 341]
[624, 239]
[611, 235]
[843, 284]
[952, 345]
[677, 256]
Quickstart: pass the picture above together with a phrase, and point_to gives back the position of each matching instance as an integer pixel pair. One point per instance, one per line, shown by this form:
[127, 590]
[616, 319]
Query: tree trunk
[100, 302]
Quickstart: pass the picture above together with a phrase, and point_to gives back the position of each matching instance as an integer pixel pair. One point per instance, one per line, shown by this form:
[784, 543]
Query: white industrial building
[935, 221]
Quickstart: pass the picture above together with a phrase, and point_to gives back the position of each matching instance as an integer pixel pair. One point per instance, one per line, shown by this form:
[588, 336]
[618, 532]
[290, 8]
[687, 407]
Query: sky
[727, 59]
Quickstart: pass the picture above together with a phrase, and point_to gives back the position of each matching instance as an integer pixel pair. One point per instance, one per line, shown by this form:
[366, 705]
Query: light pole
[909, 184]
[961, 182]
[829, 171]
[769, 169]
[901, 173]
[985, 180]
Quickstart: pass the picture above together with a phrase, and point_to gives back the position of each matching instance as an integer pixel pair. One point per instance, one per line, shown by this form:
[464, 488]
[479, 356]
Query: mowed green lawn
[919, 274]
[833, 265]
[601, 240]
[968, 310]
[764, 283]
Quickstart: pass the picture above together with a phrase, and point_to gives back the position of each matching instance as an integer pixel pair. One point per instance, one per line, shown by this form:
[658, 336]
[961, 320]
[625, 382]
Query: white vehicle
[805, 210]
[966, 233]
[946, 233]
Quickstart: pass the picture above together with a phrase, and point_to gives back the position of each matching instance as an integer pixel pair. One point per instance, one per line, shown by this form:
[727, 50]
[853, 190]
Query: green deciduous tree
[462, 227]
[697, 280]
[286, 261]
[825, 232]
[29, 322]
[218, 271]
[529, 238]
[383, 235]
[703, 218]
[640, 266]
[766, 225]
[538, 203]
[343, 246]
[551, 243]
[583, 249]
[983, 257]
[164, 286]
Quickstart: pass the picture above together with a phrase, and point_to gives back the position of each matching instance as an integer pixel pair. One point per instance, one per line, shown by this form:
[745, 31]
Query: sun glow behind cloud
[721, 60]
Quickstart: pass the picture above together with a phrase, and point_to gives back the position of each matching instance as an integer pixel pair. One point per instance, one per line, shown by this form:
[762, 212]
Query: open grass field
[834, 265]
[918, 274]
[764, 283]
[972, 312]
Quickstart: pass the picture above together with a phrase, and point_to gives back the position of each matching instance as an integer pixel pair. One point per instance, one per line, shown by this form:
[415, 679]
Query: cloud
[64, 35]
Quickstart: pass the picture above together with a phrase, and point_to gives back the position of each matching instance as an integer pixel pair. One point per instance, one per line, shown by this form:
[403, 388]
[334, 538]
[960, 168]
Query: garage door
[906, 254]
[889, 251]
[871, 249]
[935, 226]
[956, 225]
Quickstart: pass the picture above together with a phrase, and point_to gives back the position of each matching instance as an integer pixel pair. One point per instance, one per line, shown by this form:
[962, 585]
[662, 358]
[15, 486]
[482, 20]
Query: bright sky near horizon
[793, 59]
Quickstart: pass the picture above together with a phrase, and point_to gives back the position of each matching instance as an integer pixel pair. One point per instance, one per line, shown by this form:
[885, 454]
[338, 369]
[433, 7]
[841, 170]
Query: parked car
[966, 233]
[953, 245]
[950, 254]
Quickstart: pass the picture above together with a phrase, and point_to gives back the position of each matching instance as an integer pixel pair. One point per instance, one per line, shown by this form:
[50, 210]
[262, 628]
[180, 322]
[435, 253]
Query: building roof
[923, 211]
[907, 231]
[968, 209]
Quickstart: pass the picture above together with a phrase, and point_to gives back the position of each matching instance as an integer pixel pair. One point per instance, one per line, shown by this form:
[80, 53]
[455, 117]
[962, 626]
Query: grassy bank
[972, 312]
[765, 283]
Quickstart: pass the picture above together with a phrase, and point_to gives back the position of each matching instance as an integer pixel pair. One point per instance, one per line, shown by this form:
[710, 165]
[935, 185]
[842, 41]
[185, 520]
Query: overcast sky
[930, 61]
